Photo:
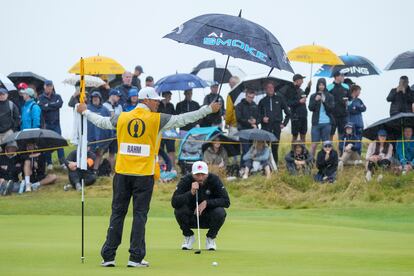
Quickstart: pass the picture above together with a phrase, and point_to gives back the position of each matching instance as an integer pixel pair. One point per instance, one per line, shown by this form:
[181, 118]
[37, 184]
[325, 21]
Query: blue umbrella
[402, 61]
[354, 66]
[233, 36]
[179, 82]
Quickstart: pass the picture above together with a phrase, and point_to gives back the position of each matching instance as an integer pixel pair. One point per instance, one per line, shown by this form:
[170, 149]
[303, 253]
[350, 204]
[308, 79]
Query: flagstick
[82, 100]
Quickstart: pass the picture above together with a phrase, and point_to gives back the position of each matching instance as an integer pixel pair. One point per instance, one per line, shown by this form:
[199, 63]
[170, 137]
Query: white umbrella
[90, 81]
[7, 83]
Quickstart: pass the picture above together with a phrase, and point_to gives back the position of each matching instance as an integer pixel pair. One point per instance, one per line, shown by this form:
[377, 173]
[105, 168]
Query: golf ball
[214, 264]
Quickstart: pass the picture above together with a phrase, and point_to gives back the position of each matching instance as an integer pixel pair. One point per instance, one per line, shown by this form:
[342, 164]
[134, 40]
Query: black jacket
[10, 168]
[9, 118]
[124, 89]
[400, 102]
[305, 156]
[213, 191]
[339, 92]
[315, 106]
[50, 108]
[166, 108]
[72, 157]
[184, 107]
[213, 118]
[244, 112]
[273, 107]
[327, 167]
[136, 82]
[292, 95]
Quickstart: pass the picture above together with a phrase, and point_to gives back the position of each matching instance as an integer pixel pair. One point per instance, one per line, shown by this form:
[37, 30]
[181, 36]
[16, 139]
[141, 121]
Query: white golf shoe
[143, 263]
[210, 244]
[108, 263]
[188, 243]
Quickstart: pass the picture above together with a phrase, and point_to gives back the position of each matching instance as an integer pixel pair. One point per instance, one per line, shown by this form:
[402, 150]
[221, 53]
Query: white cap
[199, 167]
[149, 93]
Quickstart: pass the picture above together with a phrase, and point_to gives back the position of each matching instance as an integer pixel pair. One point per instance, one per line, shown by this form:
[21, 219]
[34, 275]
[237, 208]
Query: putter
[198, 226]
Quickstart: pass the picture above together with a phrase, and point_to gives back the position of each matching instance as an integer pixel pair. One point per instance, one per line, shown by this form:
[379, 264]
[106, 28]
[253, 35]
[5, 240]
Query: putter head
[197, 252]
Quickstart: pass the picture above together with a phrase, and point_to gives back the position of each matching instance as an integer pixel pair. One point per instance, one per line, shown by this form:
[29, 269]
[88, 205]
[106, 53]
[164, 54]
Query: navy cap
[114, 92]
[48, 82]
[214, 83]
[349, 125]
[139, 68]
[4, 91]
[382, 132]
[327, 143]
[96, 94]
[298, 77]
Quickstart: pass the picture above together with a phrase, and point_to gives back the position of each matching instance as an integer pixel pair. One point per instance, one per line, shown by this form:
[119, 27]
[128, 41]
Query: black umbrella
[402, 61]
[211, 71]
[393, 125]
[42, 138]
[233, 36]
[29, 78]
[257, 84]
[257, 135]
[232, 146]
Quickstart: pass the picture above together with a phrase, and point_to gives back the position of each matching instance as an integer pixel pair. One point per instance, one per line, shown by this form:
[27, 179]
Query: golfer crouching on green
[206, 190]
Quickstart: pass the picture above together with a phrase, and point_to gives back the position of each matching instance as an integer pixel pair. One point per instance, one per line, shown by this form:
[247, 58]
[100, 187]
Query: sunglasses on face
[327, 146]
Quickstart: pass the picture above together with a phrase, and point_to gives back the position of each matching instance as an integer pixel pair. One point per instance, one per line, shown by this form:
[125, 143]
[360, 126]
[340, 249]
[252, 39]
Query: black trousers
[124, 187]
[275, 145]
[211, 219]
[75, 177]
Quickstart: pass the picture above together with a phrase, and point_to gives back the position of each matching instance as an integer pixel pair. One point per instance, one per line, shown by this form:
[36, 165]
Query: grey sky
[48, 37]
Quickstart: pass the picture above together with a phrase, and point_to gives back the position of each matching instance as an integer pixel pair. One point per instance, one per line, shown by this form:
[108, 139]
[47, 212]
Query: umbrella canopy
[256, 135]
[314, 54]
[179, 82]
[402, 61]
[257, 84]
[393, 125]
[211, 71]
[6, 83]
[90, 81]
[99, 65]
[42, 138]
[354, 66]
[232, 146]
[29, 78]
[233, 36]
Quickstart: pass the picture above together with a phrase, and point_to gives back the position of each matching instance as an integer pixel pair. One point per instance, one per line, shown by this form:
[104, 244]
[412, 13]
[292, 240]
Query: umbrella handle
[222, 78]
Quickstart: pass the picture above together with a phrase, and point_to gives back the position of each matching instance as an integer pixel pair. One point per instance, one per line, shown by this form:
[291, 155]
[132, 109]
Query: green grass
[285, 226]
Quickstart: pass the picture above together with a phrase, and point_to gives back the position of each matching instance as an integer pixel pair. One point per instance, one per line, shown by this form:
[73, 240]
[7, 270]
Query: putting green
[375, 241]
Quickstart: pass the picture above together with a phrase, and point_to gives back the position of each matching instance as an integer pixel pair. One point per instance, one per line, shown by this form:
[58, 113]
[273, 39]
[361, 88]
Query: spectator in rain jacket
[405, 150]
[187, 105]
[51, 103]
[401, 98]
[299, 159]
[349, 147]
[95, 133]
[132, 101]
[9, 115]
[271, 109]
[31, 112]
[214, 119]
[327, 163]
[125, 87]
[355, 108]
[322, 105]
[340, 91]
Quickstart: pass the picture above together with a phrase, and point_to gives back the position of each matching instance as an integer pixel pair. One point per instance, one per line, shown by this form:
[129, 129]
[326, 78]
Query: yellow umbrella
[98, 65]
[314, 54]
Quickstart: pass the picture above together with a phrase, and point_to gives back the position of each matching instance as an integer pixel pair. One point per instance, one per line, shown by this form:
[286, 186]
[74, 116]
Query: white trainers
[108, 264]
[188, 243]
[28, 187]
[368, 176]
[143, 263]
[210, 244]
[380, 177]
